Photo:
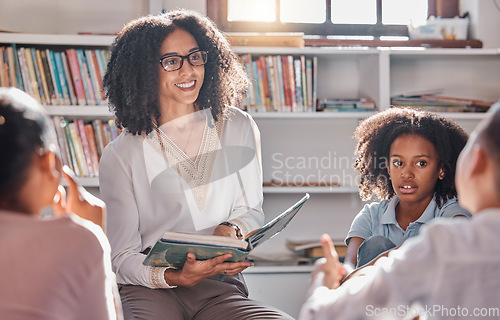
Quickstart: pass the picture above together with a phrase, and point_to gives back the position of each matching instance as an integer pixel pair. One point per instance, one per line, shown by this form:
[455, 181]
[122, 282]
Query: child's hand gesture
[332, 268]
[79, 201]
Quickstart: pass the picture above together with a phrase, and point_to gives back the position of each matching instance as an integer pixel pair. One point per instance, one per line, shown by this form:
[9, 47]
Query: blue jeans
[371, 248]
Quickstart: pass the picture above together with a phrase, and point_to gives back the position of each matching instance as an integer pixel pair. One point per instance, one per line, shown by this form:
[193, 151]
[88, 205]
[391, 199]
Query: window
[374, 18]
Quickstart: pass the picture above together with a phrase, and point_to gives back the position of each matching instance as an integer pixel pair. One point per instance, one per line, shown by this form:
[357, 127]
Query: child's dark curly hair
[376, 134]
[131, 80]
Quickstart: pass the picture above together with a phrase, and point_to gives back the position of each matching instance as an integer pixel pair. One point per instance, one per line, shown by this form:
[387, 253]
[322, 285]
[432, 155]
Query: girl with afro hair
[187, 160]
[406, 158]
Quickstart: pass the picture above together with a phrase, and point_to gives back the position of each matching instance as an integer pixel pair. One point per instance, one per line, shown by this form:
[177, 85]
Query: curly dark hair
[25, 129]
[376, 134]
[131, 79]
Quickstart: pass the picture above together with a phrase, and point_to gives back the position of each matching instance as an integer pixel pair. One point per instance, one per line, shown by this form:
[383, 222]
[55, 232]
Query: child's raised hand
[332, 268]
[79, 201]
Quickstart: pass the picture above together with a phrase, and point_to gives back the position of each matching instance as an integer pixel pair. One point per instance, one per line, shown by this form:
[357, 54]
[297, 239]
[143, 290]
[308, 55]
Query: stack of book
[439, 103]
[281, 83]
[346, 105]
[82, 144]
[312, 248]
[55, 77]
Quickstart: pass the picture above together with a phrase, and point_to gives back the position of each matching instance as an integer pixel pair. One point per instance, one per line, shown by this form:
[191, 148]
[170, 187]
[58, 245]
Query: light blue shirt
[379, 218]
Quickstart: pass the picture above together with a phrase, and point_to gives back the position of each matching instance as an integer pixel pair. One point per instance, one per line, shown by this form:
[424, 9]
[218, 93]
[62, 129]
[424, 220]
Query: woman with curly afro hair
[187, 160]
[407, 158]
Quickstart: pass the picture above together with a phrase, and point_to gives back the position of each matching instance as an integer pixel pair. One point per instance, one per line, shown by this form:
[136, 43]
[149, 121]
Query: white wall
[484, 20]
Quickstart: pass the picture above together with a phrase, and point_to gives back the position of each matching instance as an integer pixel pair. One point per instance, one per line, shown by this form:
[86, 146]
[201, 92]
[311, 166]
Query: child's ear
[441, 174]
[387, 168]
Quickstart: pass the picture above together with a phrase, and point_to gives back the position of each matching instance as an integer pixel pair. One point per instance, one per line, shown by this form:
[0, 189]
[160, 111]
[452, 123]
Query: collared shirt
[450, 271]
[379, 218]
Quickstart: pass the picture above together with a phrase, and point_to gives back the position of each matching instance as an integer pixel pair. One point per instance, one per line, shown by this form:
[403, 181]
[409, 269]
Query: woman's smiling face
[414, 167]
[182, 86]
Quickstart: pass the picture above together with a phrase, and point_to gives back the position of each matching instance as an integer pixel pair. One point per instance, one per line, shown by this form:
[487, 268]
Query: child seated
[407, 158]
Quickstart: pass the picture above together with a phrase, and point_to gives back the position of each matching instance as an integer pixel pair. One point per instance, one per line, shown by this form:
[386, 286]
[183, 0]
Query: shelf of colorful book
[310, 189]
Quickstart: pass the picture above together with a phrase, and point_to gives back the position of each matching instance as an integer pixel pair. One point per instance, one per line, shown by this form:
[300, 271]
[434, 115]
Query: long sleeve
[117, 191]
[394, 284]
[246, 158]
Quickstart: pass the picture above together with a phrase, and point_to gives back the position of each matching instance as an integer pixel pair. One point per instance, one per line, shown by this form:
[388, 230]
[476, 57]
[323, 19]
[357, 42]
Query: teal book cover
[167, 253]
[172, 249]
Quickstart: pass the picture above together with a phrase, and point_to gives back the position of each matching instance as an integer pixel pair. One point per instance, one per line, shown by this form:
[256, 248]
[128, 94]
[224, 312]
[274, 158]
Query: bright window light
[251, 10]
[404, 12]
[310, 11]
[354, 11]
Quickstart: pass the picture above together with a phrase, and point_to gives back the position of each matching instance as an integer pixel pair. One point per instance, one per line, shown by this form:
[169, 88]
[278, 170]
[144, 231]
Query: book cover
[55, 76]
[71, 148]
[69, 79]
[32, 76]
[76, 75]
[59, 124]
[65, 98]
[24, 71]
[48, 76]
[171, 250]
[86, 147]
[84, 75]
[313, 249]
[93, 76]
[44, 81]
[38, 76]
[91, 138]
[99, 136]
[78, 148]
[13, 68]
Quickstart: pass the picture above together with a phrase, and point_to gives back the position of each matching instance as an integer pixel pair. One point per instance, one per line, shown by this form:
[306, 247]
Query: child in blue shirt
[407, 158]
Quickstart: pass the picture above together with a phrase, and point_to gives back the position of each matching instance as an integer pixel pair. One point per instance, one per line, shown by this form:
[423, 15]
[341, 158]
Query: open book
[172, 249]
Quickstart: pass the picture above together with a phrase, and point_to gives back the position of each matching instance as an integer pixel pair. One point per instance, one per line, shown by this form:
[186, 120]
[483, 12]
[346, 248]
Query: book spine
[17, 65]
[86, 147]
[62, 79]
[291, 79]
[43, 79]
[77, 144]
[298, 85]
[99, 136]
[71, 149]
[32, 75]
[69, 79]
[309, 85]
[12, 67]
[99, 75]
[59, 124]
[89, 131]
[38, 77]
[93, 76]
[48, 76]
[113, 129]
[265, 82]
[315, 83]
[276, 82]
[24, 71]
[55, 76]
[84, 74]
[304, 82]
[4, 80]
[76, 75]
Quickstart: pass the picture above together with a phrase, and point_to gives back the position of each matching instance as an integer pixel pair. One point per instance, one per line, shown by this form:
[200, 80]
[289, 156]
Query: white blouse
[150, 186]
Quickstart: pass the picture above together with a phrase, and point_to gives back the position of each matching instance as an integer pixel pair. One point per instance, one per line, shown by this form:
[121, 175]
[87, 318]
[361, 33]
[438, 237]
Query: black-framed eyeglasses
[174, 62]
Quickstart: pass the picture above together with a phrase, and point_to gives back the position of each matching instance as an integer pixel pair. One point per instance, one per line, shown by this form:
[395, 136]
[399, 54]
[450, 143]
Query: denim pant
[371, 248]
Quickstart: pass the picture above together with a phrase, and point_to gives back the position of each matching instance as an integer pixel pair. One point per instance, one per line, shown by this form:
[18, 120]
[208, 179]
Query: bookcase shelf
[289, 138]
